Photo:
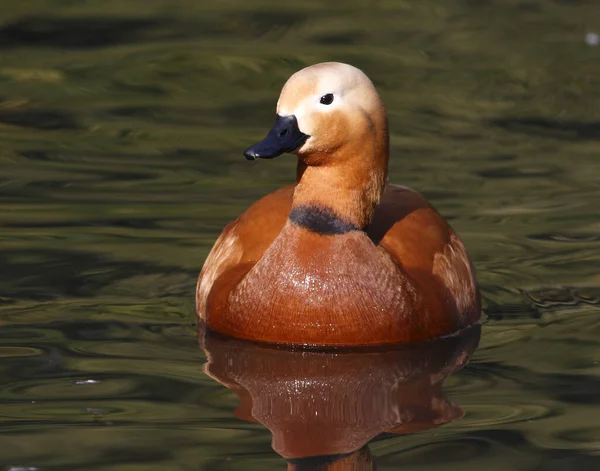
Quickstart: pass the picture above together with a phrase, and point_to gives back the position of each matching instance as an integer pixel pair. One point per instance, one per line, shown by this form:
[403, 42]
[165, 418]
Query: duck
[341, 257]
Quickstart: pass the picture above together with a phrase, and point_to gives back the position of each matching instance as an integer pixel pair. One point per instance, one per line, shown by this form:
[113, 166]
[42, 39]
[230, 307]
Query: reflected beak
[285, 136]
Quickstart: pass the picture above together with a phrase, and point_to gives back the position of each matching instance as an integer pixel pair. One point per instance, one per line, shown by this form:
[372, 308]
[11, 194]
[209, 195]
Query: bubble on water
[592, 39]
[86, 381]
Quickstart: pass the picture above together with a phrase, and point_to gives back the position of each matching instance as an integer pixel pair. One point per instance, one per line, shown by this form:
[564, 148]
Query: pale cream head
[336, 105]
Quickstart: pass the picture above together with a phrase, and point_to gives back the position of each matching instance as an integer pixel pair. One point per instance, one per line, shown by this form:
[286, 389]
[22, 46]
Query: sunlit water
[121, 130]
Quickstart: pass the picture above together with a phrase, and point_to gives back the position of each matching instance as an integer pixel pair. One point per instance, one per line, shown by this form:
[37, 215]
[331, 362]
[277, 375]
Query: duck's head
[327, 113]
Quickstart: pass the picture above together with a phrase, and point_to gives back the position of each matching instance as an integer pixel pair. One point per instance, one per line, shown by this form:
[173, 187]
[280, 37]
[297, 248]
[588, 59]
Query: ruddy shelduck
[341, 258]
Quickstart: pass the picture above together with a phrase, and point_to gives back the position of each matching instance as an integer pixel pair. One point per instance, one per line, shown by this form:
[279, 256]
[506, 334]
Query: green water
[121, 128]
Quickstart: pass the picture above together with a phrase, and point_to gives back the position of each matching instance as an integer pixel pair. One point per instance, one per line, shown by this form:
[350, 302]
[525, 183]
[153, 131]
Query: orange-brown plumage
[334, 402]
[405, 277]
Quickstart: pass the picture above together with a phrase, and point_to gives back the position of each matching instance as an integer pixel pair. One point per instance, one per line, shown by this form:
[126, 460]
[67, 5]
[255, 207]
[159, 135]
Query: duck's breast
[317, 289]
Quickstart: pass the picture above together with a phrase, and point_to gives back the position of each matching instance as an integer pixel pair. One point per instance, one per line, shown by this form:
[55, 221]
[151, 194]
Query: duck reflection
[322, 408]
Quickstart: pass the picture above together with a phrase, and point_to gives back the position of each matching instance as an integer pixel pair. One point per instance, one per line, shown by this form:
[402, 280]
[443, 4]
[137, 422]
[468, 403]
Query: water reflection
[323, 408]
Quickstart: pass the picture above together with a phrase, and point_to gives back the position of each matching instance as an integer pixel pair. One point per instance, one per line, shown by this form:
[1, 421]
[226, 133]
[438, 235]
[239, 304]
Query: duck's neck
[345, 189]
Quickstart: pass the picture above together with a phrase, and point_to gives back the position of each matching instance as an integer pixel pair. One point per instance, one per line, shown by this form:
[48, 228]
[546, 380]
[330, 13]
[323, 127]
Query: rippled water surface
[121, 129]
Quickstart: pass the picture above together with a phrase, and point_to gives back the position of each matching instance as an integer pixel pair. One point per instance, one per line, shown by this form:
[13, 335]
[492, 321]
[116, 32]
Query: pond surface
[121, 127]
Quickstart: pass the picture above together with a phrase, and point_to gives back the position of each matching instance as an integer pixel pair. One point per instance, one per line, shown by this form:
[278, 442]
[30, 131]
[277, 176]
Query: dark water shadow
[46, 120]
[549, 127]
[44, 275]
[91, 32]
[80, 32]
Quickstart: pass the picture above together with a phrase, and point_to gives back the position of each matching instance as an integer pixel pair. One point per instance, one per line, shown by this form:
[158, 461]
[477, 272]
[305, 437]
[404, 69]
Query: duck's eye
[327, 99]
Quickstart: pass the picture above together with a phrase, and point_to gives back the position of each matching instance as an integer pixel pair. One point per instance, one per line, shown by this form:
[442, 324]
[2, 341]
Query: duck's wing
[426, 248]
[408, 228]
[243, 242]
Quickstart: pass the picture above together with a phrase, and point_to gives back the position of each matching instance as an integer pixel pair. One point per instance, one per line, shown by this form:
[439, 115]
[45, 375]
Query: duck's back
[424, 249]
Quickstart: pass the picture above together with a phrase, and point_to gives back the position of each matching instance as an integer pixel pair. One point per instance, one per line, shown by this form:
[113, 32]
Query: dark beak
[283, 137]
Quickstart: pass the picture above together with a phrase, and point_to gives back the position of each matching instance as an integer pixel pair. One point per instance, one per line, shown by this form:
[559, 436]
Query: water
[122, 126]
